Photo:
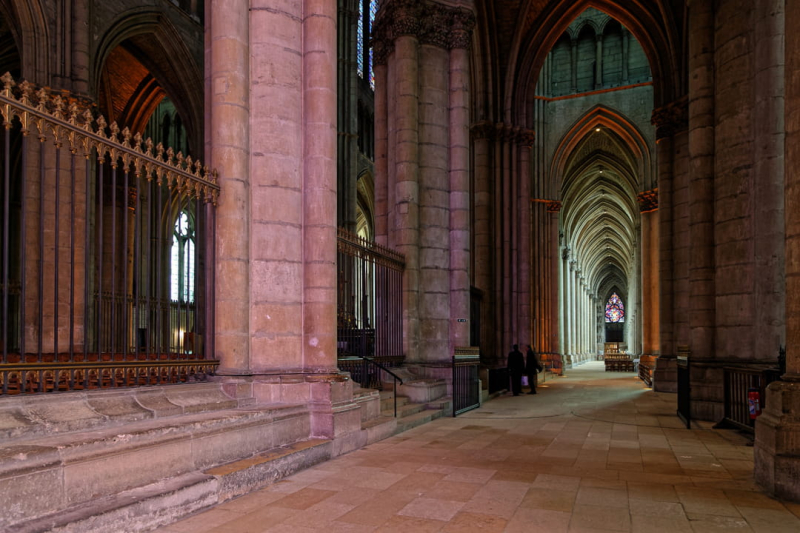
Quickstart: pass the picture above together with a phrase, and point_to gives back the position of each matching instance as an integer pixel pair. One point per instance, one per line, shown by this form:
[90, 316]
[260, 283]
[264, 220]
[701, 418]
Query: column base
[777, 445]
[665, 375]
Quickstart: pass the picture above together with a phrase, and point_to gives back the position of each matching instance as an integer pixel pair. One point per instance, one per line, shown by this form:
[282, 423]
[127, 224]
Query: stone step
[407, 409]
[47, 475]
[445, 405]
[417, 419]
[379, 428]
[387, 401]
[162, 503]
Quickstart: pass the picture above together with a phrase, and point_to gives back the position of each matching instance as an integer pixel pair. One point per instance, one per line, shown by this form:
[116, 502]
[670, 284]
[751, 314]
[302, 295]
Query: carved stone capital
[432, 23]
[461, 29]
[553, 206]
[482, 130]
[671, 118]
[648, 200]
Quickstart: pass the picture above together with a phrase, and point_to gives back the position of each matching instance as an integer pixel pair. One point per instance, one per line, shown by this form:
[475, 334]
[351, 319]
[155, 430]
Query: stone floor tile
[319, 515]
[554, 500]
[602, 497]
[470, 475]
[718, 524]
[464, 522]
[770, 520]
[554, 481]
[659, 524]
[303, 499]
[255, 522]
[431, 509]
[598, 516]
[538, 521]
[407, 524]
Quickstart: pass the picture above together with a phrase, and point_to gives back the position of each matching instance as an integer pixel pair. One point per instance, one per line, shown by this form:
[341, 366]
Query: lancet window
[182, 260]
[366, 18]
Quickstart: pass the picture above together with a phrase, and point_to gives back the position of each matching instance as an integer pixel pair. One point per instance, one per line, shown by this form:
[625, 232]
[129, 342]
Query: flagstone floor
[593, 451]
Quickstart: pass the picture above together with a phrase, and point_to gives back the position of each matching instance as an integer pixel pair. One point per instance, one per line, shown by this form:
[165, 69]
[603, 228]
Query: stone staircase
[137, 459]
[133, 460]
[418, 402]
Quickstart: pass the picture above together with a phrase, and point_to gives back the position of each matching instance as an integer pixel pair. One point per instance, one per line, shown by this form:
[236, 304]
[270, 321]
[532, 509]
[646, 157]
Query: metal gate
[684, 386]
[466, 384]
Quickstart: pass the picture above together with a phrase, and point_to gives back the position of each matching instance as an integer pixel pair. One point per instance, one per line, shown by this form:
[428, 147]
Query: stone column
[229, 148]
[482, 259]
[459, 42]
[525, 312]
[648, 202]
[381, 145]
[598, 81]
[406, 223]
[319, 186]
[777, 444]
[669, 121]
[701, 178]
[347, 156]
[562, 306]
[80, 47]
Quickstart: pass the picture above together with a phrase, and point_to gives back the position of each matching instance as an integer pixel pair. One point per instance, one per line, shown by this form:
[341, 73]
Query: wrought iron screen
[370, 300]
[88, 218]
[684, 386]
[466, 384]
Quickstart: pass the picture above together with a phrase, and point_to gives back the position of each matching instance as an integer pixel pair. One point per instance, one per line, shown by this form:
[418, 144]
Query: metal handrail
[395, 376]
[544, 364]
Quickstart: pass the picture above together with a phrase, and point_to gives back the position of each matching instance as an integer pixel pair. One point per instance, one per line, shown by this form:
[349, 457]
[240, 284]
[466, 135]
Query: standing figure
[532, 367]
[516, 367]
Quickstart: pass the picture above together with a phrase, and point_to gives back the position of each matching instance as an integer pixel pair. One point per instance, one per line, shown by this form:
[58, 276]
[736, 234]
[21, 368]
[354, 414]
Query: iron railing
[369, 299]
[498, 379]
[466, 384]
[552, 362]
[365, 370]
[737, 383]
[684, 386]
[91, 294]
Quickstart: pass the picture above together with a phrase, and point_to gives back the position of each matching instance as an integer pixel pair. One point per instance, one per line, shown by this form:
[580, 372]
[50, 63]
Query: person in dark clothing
[532, 368]
[516, 367]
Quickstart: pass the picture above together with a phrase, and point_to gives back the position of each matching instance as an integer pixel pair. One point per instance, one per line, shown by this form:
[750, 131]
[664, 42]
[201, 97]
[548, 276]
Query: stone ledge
[25, 417]
[164, 502]
[47, 475]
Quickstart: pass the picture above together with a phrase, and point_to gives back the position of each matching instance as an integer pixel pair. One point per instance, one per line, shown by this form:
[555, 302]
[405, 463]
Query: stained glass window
[182, 259]
[615, 311]
[366, 19]
[360, 40]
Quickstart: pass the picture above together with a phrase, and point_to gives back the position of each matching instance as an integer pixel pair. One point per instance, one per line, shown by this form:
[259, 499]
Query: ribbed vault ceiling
[600, 213]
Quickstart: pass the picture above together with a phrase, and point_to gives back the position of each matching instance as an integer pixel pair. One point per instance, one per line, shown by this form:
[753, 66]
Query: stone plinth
[777, 446]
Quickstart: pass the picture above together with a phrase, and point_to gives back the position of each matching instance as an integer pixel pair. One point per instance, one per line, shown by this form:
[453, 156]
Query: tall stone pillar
[381, 145]
[562, 302]
[648, 207]
[347, 146]
[482, 237]
[525, 312]
[459, 102]
[319, 186]
[777, 444]
[425, 46]
[229, 148]
[669, 121]
[701, 177]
